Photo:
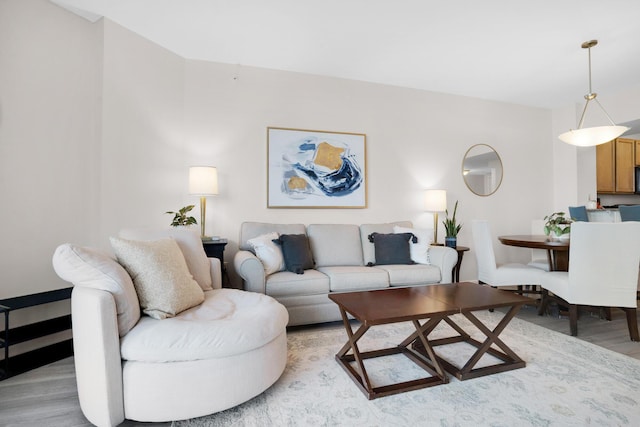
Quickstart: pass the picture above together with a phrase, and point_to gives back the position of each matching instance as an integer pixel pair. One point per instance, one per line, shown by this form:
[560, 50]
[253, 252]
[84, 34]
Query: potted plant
[557, 226]
[180, 218]
[452, 228]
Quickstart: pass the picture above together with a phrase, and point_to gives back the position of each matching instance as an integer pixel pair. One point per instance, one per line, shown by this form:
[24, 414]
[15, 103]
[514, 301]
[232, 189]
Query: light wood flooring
[47, 396]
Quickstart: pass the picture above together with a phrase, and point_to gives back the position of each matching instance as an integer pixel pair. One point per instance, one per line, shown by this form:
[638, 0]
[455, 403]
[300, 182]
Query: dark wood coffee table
[470, 297]
[391, 306]
[414, 304]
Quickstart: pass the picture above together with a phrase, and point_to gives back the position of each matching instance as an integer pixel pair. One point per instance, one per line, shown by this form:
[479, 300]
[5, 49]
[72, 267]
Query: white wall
[142, 152]
[112, 123]
[49, 123]
[49, 85]
[415, 140]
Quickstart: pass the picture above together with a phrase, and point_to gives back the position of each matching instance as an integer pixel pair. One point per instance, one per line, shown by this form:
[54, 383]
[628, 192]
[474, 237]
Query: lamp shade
[203, 180]
[587, 137]
[436, 200]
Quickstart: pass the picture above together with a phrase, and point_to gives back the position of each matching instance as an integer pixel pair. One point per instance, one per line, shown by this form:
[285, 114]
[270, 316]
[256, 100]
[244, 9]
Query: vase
[451, 241]
[560, 237]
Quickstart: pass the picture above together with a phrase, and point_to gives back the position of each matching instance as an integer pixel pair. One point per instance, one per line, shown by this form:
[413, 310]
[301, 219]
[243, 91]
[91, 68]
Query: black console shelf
[10, 336]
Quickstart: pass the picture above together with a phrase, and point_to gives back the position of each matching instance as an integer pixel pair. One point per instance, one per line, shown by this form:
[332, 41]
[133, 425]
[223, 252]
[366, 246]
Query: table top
[535, 241]
[218, 241]
[393, 305]
[468, 296]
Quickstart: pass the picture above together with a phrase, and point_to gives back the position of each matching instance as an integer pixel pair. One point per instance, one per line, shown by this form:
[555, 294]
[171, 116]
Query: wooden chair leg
[573, 319]
[544, 300]
[632, 323]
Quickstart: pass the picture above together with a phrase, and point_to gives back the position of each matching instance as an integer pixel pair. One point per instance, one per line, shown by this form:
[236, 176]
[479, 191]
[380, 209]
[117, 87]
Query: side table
[215, 249]
[455, 273]
[13, 365]
[456, 269]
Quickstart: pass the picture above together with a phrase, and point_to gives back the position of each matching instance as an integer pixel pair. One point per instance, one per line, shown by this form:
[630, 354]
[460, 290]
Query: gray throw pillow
[392, 248]
[296, 252]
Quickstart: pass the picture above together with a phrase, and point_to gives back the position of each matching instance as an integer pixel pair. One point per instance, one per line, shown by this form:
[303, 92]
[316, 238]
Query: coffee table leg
[439, 370]
[359, 375]
[510, 360]
[351, 344]
[492, 337]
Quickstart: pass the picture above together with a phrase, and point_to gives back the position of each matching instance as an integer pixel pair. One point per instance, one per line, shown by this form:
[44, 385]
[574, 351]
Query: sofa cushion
[355, 278]
[415, 274]
[268, 252]
[419, 250]
[285, 283]
[190, 243]
[94, 269]
[368, 249]
[335, 244]
[392, 248]
[249, 230]
[164, 285]
[296, 252]
[229, 322]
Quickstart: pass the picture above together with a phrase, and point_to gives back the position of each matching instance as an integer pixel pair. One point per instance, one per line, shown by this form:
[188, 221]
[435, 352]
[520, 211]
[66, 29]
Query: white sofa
[218, 354]
[341, 254]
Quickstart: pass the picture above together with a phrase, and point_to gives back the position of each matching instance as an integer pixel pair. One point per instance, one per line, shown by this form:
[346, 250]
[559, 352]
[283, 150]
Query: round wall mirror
[482, 170]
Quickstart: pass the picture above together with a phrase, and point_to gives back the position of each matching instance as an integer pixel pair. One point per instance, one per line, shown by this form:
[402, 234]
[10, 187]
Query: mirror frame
[464, 177]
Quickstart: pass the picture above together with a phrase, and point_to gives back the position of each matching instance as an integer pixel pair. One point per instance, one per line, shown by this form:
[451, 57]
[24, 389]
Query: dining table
[557, 249]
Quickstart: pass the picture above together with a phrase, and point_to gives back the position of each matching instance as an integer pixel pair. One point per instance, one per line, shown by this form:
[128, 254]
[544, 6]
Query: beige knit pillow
[160, 275]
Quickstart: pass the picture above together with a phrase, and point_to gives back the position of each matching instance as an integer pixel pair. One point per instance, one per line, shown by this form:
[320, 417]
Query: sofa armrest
[216, 273]
[249, 267]
[445, 258]
[96, 347]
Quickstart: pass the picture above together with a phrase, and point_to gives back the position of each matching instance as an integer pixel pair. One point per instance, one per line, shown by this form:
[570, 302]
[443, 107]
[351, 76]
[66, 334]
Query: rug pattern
[567, 382]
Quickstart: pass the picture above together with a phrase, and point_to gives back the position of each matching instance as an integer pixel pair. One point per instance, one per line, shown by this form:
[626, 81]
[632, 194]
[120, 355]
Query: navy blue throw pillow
[296, 252]
[392, 248]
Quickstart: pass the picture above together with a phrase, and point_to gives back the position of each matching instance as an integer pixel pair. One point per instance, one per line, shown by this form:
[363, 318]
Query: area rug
[567, 382]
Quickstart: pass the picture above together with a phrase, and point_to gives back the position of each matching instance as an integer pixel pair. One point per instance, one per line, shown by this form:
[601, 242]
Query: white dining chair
[539, 257]
[490, 273]
[603, 271]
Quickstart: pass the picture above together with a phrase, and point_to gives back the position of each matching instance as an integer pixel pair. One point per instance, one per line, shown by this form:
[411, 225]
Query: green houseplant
[451, 227]
[557, 225]
[181, 218]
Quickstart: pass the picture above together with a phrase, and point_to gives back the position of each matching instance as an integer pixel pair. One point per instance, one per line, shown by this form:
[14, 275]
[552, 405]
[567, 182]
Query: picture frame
[316, 169]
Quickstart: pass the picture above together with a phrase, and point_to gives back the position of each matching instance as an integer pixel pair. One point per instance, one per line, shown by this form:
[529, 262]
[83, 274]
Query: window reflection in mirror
[482, 170]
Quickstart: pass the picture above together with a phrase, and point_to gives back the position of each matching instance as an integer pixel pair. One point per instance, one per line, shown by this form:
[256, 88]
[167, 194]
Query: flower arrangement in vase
[557, 226]
[452, 228]
[180, 218]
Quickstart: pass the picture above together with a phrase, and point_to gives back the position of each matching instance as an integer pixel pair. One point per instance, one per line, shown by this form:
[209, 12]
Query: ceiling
[512, 51]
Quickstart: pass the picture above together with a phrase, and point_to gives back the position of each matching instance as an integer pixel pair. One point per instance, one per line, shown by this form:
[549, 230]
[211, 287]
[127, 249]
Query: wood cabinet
[606, 167]
[625, 165]
[615, 166]
[637, 152]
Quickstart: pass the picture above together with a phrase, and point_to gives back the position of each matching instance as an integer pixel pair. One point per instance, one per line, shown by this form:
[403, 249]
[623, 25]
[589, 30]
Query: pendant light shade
[587, 137]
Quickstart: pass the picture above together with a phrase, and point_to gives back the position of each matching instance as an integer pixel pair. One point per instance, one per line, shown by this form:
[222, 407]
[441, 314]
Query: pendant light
[587, 137]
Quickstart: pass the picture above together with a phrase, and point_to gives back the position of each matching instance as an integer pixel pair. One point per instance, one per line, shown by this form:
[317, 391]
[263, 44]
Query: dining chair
[598, 275]
[629, 213]
[578, 213]
[539, 257]
[499, 275]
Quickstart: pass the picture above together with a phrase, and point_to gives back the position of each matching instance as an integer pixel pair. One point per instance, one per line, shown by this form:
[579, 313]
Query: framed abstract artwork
[315, 169]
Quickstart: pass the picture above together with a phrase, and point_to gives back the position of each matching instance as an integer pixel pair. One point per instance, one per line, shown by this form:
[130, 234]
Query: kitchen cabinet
[615, 166]
[605, 167]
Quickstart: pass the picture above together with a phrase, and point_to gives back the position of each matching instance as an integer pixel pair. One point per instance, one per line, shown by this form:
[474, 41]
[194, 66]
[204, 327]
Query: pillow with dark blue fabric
[392, 248]
[296, 252]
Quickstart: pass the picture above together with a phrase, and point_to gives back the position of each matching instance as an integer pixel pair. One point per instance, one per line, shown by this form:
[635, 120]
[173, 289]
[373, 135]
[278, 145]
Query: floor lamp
[203, 182]
[435, 201]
